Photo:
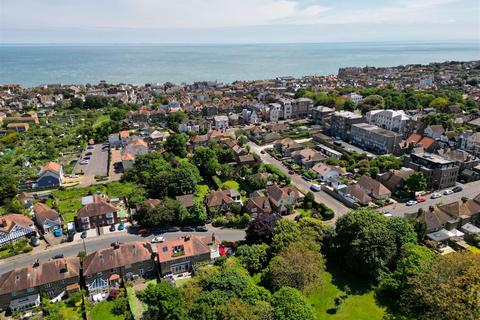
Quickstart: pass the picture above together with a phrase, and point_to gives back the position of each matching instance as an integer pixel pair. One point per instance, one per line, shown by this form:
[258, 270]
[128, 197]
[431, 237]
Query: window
[113, 270]
[89, 276]
[48, 285]
[99, 274]
[30, 289]
[141, 271]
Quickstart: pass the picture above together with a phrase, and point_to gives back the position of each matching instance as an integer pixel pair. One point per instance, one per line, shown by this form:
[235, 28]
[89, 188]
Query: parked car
[173, 229]
[112, 228]
[421, 199]
[158, 239]
[88, 153]
[58, 256]
[448, 192]
[90, 147]
[306, 178]
[201, 229]
[158, 230]
[436, 196]
[34, 241]
[337, 143]
[291, 172]
[457, 189]
[84, 162]
[57, 232]
[83, 235]
[143, 231]
[262, 152]
[121, 226]
[315, 187]
[411, 203]
[187, 229]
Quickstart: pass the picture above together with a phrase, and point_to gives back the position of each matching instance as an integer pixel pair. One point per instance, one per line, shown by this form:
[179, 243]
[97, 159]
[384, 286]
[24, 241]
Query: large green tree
[253, 257]
[177, 144]
[164, 302]
[289, 304]
[416, 182]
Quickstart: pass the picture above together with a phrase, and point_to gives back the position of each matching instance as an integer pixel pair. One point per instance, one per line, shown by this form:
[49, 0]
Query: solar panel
[165, 249]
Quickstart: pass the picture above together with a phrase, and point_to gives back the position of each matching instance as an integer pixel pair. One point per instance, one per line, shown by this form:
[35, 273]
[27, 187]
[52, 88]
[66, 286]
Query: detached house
[287, 146]
[258, 204]
[14, 227]
[326, 173]
[307, 157]
[221, 200]
[283, 199]
[47, 218]
[97, 213]
[21, 288]
[51, 175]
[434, 131]
[104, 269]
[374, 188]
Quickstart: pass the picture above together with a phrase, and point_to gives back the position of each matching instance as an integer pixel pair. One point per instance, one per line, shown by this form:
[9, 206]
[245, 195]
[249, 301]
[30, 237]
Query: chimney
[431, 208]
[464, 199]
[3, 222]
[64, 268]
[213, 238]
[36, 263]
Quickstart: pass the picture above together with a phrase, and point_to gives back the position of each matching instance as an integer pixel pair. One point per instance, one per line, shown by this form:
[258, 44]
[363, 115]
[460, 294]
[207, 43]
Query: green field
[359, 305]
[103, 311]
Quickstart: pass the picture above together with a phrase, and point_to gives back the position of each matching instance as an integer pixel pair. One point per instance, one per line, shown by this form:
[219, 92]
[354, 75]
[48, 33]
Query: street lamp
[83, 236]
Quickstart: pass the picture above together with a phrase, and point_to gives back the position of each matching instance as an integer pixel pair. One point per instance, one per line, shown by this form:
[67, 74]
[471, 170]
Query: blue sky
[236, 21]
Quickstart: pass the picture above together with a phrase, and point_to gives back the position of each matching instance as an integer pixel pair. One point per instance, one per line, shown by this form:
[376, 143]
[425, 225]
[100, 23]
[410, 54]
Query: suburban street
[304, 186]
[104, 241]
[470, 190]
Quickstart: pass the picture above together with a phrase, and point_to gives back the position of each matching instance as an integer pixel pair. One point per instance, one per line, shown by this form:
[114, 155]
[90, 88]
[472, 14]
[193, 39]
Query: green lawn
[304, 212]
[135, 305]
[358, 305]
[231, 184]
[181, 282]
[102, 311]
[101, 120]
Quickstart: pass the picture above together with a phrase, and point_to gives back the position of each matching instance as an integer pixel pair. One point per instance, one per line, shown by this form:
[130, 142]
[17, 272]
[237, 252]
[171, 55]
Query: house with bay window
[14, 227]
[98, 212]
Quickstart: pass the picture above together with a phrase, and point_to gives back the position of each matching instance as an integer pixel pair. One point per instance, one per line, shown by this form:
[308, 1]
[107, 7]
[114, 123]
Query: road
[304, 186]
[104, 241]
[470, 190]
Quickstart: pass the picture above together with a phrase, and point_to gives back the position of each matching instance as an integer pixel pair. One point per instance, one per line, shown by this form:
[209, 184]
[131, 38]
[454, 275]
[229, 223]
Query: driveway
[115, 157]
[304, 186]
[97, 166]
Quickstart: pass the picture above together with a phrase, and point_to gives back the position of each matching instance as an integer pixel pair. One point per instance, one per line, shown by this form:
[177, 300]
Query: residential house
[273, 112]
[434, 218]
[258, 204]
[182, 254]
[440, 172]
[18, 127]
[198, 141]
[322, 115]
[373, 138]
[105, 269]
[219, 200]
[471, 142]
[47, 218]
[287, 146]
[22, 288]
[374, 188]
[124, 137]
[307, 157]
[186, 200]
[221, 122]
[114, 140]
[287, 109]
[14, 227]
[417, 143]
[341, 123]
[127, 160]
[354, 97]
[51, 175]
[326, 173]
[137, 147]
[98, 213]
[434, 131]
[461, 212]
[283, 199]
[301, 107]
[354, 194]
[394, 180]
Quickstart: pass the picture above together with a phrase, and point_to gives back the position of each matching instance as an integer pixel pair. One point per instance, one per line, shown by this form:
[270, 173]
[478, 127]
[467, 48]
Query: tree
[253, 257]
[416, 182]
[8, 184]
[168, 212]
[290, 304]
[76, 103]
[371, 102]
[365, 243]
[260, 230]
[174, 119]
[206, 161]
[163, 300]
[285, 232]
[448, 289]
[440, 104]
[176, 144]
[183, 179]
[197, 213]
[296, 266]
[402, 231]
[309, 200]
[313, 229]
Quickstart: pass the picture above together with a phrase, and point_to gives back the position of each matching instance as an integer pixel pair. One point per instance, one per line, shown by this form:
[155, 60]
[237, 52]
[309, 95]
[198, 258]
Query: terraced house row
[103, 271]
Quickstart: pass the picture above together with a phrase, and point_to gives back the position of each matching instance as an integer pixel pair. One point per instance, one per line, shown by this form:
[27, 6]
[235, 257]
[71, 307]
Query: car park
[436, 196]
[158, 239]
[411, 202]
[201, 229]
[421, 199]
[457, 189]
[448, 192]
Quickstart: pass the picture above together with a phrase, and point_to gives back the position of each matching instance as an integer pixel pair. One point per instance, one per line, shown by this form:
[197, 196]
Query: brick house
[21, 288]
[98, 213]
[283, 198]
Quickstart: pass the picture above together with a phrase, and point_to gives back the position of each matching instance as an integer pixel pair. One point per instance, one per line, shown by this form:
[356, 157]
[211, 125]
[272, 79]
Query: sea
[33, 65]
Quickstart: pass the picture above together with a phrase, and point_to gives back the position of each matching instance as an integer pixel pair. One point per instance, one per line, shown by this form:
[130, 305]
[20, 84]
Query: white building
[356, 98]
[287, 109]
[221, 122]
[274, 111]
[393, 120]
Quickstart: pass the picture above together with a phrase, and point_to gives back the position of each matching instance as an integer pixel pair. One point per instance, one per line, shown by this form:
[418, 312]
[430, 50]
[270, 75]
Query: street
[104, 241]
[470, 190]
[302, 185]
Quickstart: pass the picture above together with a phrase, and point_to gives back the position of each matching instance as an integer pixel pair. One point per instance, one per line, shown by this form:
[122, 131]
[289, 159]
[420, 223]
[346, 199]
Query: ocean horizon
[37, 64]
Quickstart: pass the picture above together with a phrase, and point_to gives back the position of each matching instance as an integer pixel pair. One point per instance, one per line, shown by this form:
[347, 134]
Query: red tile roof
[192, 246]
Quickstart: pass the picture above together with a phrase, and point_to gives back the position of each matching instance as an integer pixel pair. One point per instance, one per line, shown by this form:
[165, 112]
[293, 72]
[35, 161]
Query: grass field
[231, 184]
[103, 311]
[359, 305]
[135, 305]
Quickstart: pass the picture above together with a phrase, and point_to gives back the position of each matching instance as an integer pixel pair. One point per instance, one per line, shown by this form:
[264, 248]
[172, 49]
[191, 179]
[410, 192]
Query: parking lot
[97, 164]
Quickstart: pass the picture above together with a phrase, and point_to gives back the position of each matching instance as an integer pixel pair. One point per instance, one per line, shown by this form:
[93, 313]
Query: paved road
[92, 244]
[304, 186]
[470, 190]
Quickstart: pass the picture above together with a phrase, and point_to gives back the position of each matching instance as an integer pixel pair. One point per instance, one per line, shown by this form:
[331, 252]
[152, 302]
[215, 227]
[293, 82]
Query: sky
[237, 21]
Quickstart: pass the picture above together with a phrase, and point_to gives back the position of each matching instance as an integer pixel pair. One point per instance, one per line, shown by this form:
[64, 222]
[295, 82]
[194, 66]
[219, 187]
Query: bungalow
[326, 173]
[374, 188]
[104, 269]
[21, 288]
[14, 227]
[51, 175]
[180, 255]
[47, 218]
[98, 213]
[307, 157]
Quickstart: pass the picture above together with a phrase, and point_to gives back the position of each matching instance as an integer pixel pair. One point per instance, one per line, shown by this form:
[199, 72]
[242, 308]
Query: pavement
[97, 166]
[470, 190]
[104, 241]
[302, 185]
